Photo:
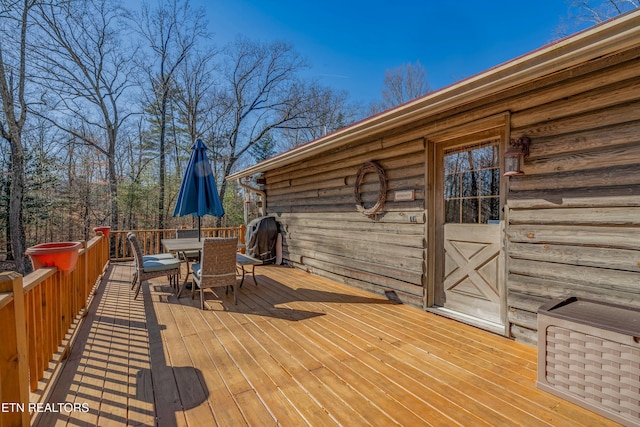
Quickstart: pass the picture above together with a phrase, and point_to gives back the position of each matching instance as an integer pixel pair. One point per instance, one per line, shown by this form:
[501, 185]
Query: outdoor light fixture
[519, 149]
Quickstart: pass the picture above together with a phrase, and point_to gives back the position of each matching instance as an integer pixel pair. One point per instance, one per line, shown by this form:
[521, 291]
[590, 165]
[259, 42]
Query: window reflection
[472, 184]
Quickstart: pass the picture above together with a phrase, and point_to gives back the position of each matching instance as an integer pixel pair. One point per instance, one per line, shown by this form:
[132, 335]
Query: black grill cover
[261, 237]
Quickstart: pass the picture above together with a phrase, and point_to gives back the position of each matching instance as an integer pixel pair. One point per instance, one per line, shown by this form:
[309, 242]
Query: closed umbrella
[198, 195]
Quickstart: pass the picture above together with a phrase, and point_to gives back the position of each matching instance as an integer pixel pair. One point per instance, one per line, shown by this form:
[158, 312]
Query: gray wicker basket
[589, 354]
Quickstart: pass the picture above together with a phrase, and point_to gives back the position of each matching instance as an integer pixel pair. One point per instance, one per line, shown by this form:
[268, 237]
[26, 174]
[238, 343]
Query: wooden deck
[297, 350]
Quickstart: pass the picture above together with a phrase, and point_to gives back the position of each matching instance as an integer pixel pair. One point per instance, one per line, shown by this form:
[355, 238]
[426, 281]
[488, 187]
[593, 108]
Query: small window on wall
[472, 184]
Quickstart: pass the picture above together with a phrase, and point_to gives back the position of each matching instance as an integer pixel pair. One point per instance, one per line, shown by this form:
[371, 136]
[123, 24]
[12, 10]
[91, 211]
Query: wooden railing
[39, 316]
[151, 240]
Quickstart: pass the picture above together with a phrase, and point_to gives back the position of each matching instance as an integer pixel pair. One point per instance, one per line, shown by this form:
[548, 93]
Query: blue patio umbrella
[198, 195]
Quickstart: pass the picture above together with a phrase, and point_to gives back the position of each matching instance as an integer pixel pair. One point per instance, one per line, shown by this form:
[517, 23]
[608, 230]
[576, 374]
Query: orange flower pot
[103, 229]
[63, 255]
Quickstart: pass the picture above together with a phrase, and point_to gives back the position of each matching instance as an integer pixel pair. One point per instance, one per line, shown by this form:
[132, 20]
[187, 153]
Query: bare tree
[171, 32]
[261, 96]
[597, 11]
[194, 98]
[321, 111]
[402, 84]
[86, 73]
[585, 13]
[14, 21]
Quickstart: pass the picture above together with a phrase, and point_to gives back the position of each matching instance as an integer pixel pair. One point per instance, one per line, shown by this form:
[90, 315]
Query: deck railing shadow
[160, 381]
[112, 338]
[122, 337]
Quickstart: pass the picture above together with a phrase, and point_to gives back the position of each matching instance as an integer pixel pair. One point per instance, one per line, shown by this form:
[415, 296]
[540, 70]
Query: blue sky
[350, 43]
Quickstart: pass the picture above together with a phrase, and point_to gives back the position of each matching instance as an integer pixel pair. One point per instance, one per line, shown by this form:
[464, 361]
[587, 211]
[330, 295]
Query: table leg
[253, 273]
[242, 281]
[184, 283]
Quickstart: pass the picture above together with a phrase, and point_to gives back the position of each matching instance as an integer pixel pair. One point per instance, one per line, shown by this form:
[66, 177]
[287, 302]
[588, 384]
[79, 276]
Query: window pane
[452, 164]
[495, 181]
[490, 209]
[472, 183]
[488, 156]
[469, 211]
[452, 211]
[490, 182]
[452, 186]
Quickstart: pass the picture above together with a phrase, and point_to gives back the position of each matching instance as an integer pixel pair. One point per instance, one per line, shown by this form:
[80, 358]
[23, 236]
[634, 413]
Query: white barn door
[469, 282]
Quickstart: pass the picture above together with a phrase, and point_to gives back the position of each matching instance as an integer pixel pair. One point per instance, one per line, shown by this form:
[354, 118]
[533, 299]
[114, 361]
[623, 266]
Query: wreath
[382, 192]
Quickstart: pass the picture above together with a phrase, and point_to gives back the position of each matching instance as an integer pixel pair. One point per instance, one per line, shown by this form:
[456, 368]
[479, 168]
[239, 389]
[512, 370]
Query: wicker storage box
[589, 354]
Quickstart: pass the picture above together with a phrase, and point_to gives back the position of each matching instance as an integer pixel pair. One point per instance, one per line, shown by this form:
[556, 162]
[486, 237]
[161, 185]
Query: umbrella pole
[199, 227]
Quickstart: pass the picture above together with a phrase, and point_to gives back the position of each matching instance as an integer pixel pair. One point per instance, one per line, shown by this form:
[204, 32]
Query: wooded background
[101, 105]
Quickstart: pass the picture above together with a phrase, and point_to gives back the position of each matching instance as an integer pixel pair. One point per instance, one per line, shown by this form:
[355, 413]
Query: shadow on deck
[296, 350]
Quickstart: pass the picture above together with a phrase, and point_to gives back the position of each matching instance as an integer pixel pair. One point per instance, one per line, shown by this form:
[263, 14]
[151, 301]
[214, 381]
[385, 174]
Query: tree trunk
[12, 132]
[113, 186]
[161, 172]
[7, 194]
[163, 157]
[223, 189]
[18, 239]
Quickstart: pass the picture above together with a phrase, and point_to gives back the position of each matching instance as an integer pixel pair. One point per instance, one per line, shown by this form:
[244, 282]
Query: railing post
[85, 283]
[14, 360]
[106, 252]
[243, 231]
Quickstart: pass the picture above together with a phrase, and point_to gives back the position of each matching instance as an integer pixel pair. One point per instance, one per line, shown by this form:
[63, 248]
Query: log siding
[324, 233]
[572, 222]
[574, 217]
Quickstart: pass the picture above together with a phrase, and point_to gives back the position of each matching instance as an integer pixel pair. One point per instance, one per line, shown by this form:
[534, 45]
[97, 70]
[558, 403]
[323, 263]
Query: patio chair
[147, 258]
[152, 268]
[217, 267]
[188, 233]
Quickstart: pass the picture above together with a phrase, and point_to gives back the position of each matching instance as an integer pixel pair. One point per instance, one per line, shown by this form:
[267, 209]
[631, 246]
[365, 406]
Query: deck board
[296, 350]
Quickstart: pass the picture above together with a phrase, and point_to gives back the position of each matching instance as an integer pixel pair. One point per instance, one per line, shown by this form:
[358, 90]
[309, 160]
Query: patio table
[182, 245]
[193, 244]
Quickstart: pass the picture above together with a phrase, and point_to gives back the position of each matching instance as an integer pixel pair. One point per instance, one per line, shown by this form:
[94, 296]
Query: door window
[472, 184]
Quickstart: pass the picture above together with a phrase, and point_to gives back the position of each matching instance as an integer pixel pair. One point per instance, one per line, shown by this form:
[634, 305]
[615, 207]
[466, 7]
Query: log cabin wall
[574, 217]
[323, 232]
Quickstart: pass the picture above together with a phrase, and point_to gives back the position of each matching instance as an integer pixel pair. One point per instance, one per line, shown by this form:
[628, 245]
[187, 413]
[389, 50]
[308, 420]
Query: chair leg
[242, 281]
[134, 279]
[233, 290]
[201, 299]
[138, 289]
